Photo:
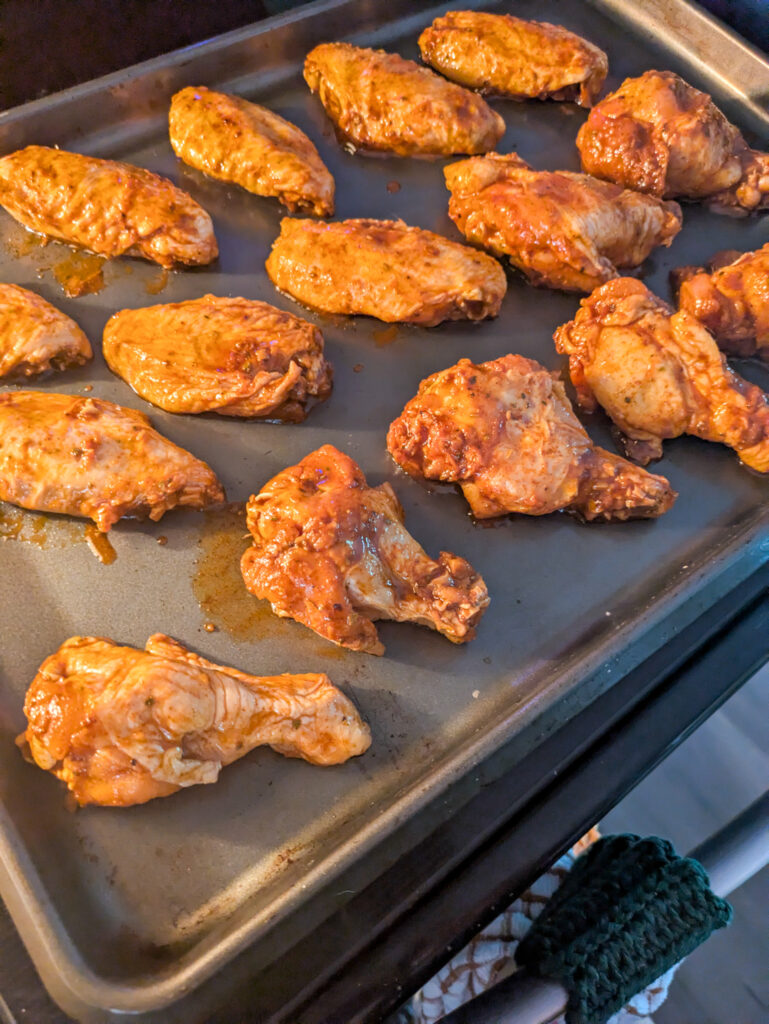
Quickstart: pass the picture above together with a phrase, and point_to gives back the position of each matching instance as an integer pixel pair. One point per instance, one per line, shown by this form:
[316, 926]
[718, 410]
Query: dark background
[47, 45]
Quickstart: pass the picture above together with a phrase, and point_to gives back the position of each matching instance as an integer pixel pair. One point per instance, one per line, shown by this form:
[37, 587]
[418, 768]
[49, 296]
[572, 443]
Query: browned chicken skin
[386, 269]
[562, 230]
[506, 433]
[333, 553]
[507, 56]
[659, 374]
[111, 208]
[233, 140]
[121, 726]
[35, 336]
[380, 102]
[85, 457]
[232, 356]
[732, 302]
[659, 135]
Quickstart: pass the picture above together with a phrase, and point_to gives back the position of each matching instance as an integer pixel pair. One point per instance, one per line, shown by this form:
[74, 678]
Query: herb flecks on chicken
[122, 726]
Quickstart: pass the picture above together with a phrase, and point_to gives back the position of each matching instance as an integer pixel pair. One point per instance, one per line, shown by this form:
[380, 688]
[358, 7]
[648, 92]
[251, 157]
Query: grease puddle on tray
[218, 584]
[37, 528]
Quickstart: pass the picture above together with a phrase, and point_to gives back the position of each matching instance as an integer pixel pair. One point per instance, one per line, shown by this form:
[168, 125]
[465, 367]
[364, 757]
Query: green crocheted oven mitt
[629, 909]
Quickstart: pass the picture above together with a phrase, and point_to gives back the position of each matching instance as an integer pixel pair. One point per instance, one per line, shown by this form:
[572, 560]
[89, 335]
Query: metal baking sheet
[126, 910]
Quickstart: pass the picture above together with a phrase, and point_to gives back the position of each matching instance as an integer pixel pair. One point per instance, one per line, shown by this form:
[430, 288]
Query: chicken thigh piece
[111, 208]
[35, 336]
[506, 433]
[385, 269]
[121, 726]
[85, 457]
[732, 302]
[333, 553]
[659, 374]
[380, 102]
[660, 135]
[563, 230]
[507, 56]
[232, 356]
[233, 140]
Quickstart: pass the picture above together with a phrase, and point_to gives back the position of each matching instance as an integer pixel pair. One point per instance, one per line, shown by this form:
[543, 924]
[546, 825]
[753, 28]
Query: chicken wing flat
[35, 336]
[385, 269]
[121, 726]
[506, 433]
[659, 374]
[732, 302]
[507, 56]
[232, 356]
[333, 553]
[233, 140]
[85, 457]
[563, 230]
[660, 135]
[380, 102]
[111, 208]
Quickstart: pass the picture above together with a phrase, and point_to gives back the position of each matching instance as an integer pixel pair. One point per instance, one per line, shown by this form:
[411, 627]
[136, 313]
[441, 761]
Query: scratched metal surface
[128, 908]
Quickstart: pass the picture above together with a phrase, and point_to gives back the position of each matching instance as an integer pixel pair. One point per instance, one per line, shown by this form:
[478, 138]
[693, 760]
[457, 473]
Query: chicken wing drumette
[35, 336]
[562, 230]
[232, 356]
[230, 139]
[380, 102]
[111, 208]
[506, 433]
[507, 56]
[85, 457]
[732, 301]
[333, 553]
[121, 726]
[386, 269]
[659, 374]
[660, 135]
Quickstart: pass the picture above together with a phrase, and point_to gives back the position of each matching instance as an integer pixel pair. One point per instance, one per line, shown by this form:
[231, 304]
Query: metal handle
[731, 856]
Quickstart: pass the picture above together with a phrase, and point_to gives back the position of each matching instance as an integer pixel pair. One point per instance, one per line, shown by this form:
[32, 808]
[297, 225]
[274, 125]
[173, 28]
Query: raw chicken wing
[659, 374]
[660, 135]
[507, 56]
[379, 101]
[35, 336]
[333, 553]
[233, 140]
[111, 208]
[85, 457]
[732, 301]
[231, 356]
[121, 726]
[386, 269]
[506, 433]
[562, 230]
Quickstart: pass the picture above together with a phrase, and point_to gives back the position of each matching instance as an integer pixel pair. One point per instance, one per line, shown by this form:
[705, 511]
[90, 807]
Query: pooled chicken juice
[218, 584]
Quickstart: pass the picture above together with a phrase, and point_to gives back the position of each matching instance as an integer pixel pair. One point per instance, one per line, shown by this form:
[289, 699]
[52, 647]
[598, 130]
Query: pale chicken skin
[235, 357]
[35, 336]
[379, 102]
[506, 433]
[110, 208]
[659, 374]
[232, 140]
[660, 135]
[732, 302]
[333, 553]
[384, 269]
[122, 726]
[86, 457]
[563, 230]
[508, 56]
